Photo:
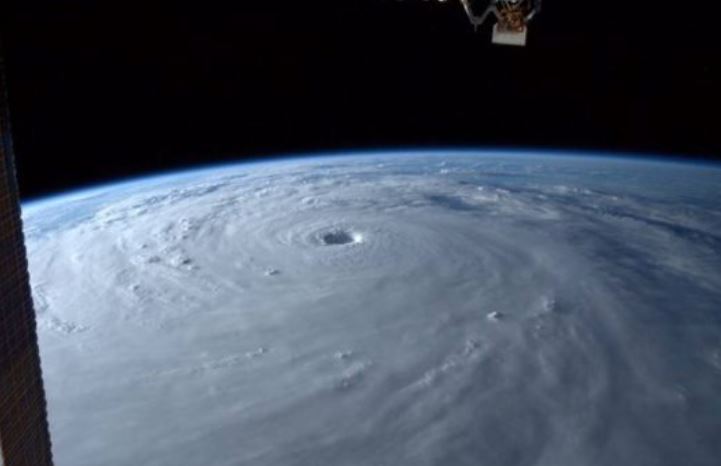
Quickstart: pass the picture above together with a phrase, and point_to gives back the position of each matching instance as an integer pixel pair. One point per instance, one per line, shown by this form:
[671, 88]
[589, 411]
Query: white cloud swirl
[385, 310]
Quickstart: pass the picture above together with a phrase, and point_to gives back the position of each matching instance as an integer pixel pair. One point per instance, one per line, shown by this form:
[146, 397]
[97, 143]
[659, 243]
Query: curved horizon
[33, 202]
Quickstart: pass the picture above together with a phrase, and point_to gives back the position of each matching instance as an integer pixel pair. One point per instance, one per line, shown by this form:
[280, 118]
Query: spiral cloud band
[419, 309]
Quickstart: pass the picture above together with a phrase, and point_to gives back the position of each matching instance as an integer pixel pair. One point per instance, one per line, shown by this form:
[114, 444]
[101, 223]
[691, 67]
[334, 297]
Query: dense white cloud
[385, 310]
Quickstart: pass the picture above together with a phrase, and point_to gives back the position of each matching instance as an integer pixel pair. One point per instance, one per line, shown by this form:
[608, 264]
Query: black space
[103, 89]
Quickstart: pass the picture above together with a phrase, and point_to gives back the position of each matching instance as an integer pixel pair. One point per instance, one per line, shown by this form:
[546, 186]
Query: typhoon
[449, 308]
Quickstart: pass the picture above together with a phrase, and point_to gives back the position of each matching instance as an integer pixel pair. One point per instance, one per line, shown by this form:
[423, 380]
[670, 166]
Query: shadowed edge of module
[24, 432]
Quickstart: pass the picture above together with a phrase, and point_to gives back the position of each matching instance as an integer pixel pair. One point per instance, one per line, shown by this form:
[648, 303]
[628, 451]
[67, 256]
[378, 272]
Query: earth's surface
[390, 309]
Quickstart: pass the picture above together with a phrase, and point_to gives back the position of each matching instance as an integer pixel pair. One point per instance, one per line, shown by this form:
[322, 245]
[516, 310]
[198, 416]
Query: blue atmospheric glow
[99, 188]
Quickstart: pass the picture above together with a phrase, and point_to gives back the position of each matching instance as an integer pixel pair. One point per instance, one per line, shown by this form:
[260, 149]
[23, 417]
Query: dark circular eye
[337, 237]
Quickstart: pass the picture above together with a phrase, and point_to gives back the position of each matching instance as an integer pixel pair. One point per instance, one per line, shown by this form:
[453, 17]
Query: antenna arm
[475, 19]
